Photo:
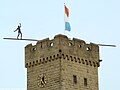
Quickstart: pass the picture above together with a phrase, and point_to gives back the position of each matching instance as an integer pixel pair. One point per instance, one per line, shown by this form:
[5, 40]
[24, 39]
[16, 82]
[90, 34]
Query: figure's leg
[18, 35]
[21, 35]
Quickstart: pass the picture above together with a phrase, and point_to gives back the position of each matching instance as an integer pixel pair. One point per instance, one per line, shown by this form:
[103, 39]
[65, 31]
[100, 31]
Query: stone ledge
[61, 56]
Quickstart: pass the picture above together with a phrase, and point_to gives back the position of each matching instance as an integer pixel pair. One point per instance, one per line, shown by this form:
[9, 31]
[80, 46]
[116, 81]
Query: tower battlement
[62, 47]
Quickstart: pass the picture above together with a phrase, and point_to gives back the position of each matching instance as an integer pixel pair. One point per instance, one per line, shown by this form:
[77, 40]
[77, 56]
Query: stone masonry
[62, 64]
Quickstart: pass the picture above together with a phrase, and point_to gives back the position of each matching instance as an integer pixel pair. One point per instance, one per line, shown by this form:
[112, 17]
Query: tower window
[34, 49]
[80, 46]
[88, 49]
[85, 81]
[51, 44]
[69, 44]
[74, 79]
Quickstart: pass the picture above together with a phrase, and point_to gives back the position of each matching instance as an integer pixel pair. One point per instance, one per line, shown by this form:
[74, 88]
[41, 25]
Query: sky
[96, 21]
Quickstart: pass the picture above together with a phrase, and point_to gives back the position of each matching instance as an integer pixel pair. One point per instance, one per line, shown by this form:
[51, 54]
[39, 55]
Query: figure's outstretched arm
[15, 30]
[20, 24]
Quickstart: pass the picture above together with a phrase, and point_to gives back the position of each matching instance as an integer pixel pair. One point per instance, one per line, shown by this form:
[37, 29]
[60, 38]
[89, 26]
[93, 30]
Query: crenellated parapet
[61, 46]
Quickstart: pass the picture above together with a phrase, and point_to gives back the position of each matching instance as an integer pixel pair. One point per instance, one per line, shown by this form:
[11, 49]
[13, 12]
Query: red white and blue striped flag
[67, 24]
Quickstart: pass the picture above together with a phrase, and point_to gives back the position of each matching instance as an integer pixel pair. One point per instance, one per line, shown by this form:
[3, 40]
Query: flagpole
[64, 31]
[64, 18]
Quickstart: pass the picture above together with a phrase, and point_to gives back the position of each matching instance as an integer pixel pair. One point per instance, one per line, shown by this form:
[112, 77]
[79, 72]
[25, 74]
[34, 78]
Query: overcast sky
[96, 21]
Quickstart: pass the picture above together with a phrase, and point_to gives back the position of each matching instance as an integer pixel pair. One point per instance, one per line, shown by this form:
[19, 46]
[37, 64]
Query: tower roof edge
[60, 35]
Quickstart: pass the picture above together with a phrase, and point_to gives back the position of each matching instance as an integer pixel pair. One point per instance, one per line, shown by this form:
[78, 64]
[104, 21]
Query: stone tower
[62, 64]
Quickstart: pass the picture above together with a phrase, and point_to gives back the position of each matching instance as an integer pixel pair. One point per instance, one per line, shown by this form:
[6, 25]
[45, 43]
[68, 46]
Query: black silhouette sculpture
[19, 31]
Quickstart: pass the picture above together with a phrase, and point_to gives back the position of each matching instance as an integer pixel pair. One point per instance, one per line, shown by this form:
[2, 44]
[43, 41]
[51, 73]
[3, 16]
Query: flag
[67, 11]
[67, 24]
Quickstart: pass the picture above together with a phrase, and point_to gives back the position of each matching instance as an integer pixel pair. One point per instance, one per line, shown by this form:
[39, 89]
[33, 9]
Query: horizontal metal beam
[21, 39]
[106, 45]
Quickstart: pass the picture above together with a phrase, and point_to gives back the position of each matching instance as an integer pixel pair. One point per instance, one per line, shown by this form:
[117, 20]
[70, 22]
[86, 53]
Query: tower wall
[60, 59]
[70, 67]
